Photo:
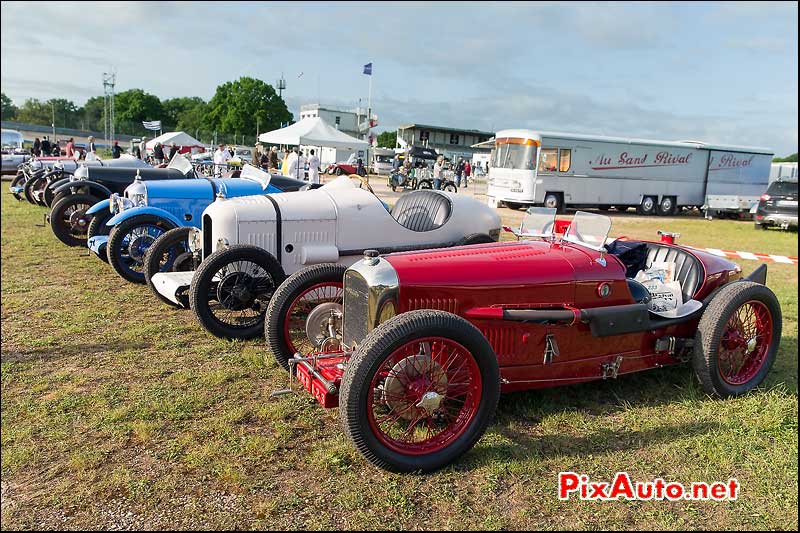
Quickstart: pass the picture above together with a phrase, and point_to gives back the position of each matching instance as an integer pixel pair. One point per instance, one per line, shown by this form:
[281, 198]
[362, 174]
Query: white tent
[178, 137]
[312, 131]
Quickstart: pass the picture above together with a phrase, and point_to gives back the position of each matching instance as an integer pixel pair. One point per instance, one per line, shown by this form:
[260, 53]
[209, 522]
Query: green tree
[174, 108]
[92, 113]
[133, 106]
[9, 110]
[34, 111]
[788, 159]
[192, 119]
[244, 105]
[387, 139]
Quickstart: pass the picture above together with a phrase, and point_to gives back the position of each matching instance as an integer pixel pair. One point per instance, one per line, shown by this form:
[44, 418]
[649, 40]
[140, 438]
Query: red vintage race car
[415, 348]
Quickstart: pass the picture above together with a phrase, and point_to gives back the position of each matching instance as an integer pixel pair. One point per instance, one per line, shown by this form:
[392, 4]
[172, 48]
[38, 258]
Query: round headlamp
[195, 240]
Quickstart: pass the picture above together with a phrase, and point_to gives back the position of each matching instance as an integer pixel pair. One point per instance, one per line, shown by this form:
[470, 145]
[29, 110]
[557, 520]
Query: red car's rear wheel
[737, 339]
[419, 391]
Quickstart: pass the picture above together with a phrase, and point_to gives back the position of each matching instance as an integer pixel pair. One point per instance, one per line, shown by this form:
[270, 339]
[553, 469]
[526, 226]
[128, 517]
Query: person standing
[313, 168]
[285, 162]
[158, 153]
[459, 171]
[143, 148]
[437, 172]
[273, 158]
[173, 149]
[92, 147]
[44, 150]
[116, 151]
[467, 172]
[221, 157]
[291, 164]
[37, 147]
[70, 149]
[301, 165]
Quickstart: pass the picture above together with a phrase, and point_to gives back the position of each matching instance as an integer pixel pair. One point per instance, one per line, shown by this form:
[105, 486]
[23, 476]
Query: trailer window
[564, 160]
[548, 162]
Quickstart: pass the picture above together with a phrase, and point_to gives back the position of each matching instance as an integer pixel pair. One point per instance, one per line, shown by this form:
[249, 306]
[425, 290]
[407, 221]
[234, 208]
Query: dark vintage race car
[75, 195]
[415, 348]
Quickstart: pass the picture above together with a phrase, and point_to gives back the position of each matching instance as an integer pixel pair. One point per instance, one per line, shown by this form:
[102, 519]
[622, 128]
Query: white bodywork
[619, 171]
[332, 224]
[382, 159]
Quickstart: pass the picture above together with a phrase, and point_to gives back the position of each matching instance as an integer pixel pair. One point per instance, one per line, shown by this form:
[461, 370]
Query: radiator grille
[502, 340]
[356, 308]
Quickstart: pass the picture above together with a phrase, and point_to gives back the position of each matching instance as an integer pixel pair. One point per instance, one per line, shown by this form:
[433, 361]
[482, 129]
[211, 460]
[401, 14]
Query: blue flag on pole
[368, 69]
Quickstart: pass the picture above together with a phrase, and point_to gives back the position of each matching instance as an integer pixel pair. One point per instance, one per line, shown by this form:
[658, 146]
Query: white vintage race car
[249, 245]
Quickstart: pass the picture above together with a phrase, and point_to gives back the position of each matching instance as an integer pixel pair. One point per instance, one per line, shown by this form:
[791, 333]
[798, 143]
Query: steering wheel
[364, 182]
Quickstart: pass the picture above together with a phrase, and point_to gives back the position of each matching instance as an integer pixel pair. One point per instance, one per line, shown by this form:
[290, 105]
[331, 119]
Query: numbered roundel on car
[604, 290]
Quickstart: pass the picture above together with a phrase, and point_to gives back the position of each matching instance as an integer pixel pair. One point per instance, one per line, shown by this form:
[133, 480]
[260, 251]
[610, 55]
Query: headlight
[222, 242]
[195, 240]
[112, 203]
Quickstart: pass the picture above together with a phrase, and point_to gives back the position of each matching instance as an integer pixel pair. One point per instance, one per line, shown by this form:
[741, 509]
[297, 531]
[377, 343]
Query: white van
[382, 159]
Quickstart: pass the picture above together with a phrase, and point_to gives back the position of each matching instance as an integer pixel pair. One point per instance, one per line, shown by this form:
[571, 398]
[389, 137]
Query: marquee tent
[183, 140]
[312, 131]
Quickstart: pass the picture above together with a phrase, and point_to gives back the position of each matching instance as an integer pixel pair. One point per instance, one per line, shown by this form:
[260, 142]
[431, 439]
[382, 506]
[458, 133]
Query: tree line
[237, 111]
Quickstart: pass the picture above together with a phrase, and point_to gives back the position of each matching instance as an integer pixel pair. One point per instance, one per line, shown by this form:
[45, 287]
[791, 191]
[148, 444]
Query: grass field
[118, 412]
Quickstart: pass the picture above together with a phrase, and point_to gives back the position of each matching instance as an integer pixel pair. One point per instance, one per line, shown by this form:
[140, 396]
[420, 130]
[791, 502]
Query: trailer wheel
[420, 391]
[737, 339]
[667, 206]
[554, 200]
[648, 206]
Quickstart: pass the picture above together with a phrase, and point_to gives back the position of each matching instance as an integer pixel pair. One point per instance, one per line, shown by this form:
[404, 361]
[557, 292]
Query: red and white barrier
[732, 254]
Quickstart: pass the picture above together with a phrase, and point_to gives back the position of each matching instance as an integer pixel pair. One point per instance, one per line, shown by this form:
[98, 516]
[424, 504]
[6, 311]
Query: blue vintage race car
[124, 227]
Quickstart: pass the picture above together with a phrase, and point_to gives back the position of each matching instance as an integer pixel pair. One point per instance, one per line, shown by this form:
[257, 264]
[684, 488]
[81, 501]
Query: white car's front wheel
[230, 291]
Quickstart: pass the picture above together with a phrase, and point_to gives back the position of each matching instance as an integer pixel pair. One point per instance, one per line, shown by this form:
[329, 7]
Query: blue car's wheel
[128, 243]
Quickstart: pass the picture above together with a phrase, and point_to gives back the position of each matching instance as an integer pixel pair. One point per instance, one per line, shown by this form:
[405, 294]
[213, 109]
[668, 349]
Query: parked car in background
[347, 167]
[777, 206]
[382, 160]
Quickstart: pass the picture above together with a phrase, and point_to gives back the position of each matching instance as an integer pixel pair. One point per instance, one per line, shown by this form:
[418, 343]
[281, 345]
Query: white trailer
[783, 171]
[563, 169]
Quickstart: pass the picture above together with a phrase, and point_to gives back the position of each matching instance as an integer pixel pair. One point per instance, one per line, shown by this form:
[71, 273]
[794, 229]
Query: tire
[31, 185]
[338, 171]
[128, 242]
[49, 196]
[758, 226]
[450, 187]
[365, 382]
[717, 336]
[69, 225]
[554, 200]
[203, 290]
[98, 224]
[286, 314]
[173, 243]
[648, 206]
[475, 238]
[425, 184]
[667, 206]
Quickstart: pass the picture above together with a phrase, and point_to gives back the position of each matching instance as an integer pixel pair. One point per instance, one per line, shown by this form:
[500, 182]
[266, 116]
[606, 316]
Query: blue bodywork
[177, 202]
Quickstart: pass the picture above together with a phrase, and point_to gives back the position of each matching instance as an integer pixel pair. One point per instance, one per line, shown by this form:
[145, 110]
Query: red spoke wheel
[305, 313]
[737, 339]
[419, 391]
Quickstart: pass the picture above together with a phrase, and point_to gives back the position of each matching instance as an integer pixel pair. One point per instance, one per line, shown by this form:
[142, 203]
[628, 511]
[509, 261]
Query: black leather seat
[688, 270]
[639, 292]
[422, 210]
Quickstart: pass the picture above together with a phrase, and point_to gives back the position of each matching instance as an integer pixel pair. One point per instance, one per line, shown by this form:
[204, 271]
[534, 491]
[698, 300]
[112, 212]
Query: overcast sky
[724, 73]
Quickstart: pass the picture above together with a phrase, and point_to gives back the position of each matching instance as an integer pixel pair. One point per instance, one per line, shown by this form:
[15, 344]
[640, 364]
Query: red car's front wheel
[419, 391]
[737, 339]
